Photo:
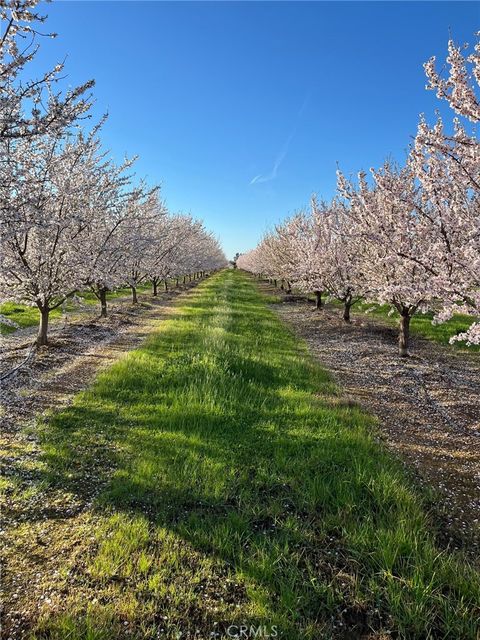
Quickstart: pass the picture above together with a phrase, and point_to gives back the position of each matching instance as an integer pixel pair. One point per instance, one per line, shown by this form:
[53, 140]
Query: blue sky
[242, 110]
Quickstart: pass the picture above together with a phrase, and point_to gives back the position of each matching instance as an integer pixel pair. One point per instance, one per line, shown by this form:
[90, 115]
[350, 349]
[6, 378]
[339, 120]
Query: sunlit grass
[421, 323]
[28, 316]
[244, 490]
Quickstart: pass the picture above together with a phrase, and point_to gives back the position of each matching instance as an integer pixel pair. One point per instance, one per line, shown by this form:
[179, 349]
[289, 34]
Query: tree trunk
[134, 294]
[166, 285]
[155, 286]
[275, 283]
[103, 302]
[176, 282]
[318, 299]
[289, 287]
[43, 327]
[184, 280]
[346, 310]
[404, 335]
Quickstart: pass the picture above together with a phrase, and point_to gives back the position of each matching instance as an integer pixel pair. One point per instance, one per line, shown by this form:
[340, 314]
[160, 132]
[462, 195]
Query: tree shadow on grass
[212, 431]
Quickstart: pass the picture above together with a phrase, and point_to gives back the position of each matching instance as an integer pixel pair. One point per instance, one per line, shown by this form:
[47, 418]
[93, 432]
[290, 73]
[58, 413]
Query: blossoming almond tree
[29, 107]
[449, 219]
[200, 251]
[410, 237]
[249, 261]
[448, 169]
[47, 214]
[315, 250]
[161, 252]
[338, 253]
[173, 238]
[289, 253]
[210, 255]
[44, 218]
[303, 249]
[115, 206]
[387, 233]
[69, 218]
[144, 214]
[458, 88]
[277, 256]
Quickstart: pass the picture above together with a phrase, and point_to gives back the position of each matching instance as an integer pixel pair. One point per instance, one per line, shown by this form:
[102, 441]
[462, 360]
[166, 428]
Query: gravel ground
[428, 405]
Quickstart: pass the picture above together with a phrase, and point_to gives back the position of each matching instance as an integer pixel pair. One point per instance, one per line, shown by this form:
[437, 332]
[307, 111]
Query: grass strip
[244, 491]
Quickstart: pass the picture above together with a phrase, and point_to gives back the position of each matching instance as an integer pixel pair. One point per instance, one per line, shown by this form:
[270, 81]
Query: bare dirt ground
[43, 528]
[428, 405]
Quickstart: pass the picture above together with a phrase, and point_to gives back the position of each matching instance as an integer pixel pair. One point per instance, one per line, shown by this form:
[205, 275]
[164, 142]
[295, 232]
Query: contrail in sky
[283, 153]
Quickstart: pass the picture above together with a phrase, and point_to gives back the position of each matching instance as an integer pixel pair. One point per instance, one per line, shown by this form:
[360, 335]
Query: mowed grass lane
[240, 488]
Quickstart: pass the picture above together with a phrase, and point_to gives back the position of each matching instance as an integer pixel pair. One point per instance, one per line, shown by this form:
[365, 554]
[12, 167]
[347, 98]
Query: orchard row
[71, 218]
[407, 236]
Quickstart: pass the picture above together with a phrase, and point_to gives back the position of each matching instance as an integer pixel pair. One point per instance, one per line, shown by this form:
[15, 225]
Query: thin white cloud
[276, 165]
[283, 153]
[273, 173]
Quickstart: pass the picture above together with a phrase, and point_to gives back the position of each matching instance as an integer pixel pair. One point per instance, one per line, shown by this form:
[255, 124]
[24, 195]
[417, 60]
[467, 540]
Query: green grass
[26, 316]
[421, 324]
[21, 314]
[234, 485]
